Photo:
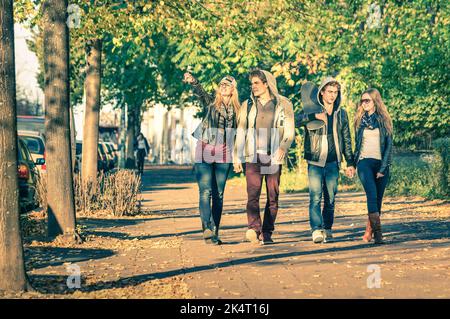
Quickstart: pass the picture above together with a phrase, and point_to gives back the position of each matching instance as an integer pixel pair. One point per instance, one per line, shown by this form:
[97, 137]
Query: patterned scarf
[227, 112]
[369, 121]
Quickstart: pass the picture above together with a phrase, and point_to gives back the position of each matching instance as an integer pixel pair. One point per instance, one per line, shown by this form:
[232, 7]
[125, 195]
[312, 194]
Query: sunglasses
[228, 80]
[365, 101]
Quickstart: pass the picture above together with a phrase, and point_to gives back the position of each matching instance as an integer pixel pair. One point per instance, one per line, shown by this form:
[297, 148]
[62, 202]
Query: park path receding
[414, 263]
[161, 253]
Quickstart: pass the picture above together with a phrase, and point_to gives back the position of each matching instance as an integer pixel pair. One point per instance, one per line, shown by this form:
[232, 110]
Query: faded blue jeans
[322, 180]
[211, 180]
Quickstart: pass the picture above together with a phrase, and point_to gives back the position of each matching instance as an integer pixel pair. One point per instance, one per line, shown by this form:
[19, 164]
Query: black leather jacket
[314, 139]
[385, 145]
[207, 131]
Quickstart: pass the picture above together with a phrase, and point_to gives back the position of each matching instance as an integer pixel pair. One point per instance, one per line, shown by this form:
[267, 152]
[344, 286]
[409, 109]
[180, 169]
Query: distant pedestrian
[373, 155]
[143, 148]
[213, 155]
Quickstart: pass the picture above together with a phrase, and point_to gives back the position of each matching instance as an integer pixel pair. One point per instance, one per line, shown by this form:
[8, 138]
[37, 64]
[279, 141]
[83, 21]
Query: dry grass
[115, 194]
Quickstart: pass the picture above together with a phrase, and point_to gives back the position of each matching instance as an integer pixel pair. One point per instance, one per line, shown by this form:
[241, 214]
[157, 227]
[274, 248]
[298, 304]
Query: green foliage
[148, 46]
[410, 175]
[404, 56]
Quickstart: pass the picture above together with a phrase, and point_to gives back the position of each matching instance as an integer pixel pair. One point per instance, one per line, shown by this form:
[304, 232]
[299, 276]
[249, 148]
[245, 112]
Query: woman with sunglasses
[213, 153]
[373, 155]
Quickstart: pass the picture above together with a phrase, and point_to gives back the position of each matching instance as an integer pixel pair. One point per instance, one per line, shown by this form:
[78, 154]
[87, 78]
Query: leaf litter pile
[113, 262]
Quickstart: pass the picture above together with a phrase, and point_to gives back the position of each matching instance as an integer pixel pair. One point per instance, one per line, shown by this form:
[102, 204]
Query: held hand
[379, 175]
[188, 78]
[350, 172]
[321, 116]
[237, 167]
[279, 155]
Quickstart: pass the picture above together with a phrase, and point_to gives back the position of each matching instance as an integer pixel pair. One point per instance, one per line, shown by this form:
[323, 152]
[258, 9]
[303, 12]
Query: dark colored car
[35, 143]
[102, 162]
[28, 177]
[78, 148]
[113, 155]
[115, 150]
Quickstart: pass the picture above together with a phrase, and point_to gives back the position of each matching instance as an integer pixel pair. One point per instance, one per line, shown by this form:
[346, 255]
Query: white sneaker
[207, 234]
[328, 235]
[317, 236]
[252, 236]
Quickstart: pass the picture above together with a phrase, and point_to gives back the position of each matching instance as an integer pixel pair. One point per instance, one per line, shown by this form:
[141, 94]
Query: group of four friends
[259, 132]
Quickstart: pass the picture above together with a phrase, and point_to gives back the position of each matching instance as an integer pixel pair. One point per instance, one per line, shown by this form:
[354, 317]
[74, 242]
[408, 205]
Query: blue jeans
[211, 180]
[322, 180]
[374, 187]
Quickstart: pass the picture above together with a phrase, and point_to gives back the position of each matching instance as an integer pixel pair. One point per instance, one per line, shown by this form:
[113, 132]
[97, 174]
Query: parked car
[28, 176]
[113, 153]
[78, 149]
[108, 155]
[35, 142]
[102, 161]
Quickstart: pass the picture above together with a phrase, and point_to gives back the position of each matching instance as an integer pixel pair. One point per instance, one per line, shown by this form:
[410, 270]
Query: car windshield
[79, 149]
[34, 144]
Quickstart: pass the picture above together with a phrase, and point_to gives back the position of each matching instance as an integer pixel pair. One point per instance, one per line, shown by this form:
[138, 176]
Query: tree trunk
[12, 268]
[130, 162]
[122, 138]
[92, 111]
[164, 139]
[60, 194]
[138, 120]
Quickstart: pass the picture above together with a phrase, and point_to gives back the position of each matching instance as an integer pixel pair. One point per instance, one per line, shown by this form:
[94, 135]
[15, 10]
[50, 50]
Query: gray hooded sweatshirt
[282, 137]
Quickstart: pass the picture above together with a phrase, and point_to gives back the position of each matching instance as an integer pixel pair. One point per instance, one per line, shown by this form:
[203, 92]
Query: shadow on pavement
[41, 257]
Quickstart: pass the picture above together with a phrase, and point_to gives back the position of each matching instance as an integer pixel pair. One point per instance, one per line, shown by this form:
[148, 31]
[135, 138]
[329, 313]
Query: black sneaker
[266, 239]
[216, 240]
[327, 236]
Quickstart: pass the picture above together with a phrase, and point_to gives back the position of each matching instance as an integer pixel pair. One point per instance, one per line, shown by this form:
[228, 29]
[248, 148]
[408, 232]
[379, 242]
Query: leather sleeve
[205, 98]
[387, 156]
[347, 139]
[302, 118]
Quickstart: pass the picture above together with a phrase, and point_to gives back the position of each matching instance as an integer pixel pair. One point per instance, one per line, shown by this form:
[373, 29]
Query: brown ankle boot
[375, 223]
[369, 232]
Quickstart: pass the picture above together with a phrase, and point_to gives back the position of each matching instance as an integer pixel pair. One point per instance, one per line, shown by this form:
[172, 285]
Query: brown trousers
[254, 173]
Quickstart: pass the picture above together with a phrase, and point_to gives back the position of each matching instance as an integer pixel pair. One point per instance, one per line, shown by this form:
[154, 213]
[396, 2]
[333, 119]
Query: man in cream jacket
[265, 133]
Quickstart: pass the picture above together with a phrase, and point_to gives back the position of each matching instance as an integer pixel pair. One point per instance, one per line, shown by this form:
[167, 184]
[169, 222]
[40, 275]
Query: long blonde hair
[234, 99]
[380, 109]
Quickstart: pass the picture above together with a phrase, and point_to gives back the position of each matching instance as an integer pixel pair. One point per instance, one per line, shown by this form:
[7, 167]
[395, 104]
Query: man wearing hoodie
[323, 149]
[265, 133]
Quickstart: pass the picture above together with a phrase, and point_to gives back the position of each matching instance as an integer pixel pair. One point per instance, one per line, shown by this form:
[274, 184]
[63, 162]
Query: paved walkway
[414, 263]
[161, 254]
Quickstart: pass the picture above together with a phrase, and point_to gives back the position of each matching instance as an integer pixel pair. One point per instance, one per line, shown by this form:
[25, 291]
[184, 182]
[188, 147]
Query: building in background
[109, 124]
[169, 133]
[30, 97]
